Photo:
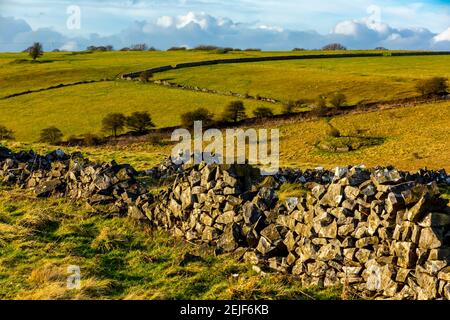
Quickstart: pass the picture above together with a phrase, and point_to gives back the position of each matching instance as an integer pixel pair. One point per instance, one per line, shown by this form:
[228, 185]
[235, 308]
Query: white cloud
[165, 21]
[203, 20]
[69, 46]
[192, 29]
[444, 36]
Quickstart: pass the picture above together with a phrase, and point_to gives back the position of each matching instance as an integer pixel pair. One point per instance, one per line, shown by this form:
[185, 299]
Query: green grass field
[414, 137]
[361, 79]
[17, 75]
[80, 109]
[118, 259]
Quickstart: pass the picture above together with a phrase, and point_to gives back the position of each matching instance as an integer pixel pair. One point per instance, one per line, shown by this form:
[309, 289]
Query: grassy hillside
[80, 109]
[118, 259]
[361, 79]
[411, 138]
[18, 73]
[414, 137]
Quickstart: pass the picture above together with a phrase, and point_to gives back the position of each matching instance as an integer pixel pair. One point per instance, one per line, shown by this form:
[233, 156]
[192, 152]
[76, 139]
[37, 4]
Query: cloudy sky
[266, 24]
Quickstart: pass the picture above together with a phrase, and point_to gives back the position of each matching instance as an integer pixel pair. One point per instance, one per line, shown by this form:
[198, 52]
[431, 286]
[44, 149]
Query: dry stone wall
[381, 232]
[133, 75]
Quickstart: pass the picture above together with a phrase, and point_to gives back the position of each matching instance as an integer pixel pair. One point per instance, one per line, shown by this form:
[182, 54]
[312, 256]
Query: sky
[265, 24]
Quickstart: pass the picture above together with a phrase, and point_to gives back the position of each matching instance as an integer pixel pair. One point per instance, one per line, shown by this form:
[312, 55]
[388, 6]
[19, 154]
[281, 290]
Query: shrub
[338, 99]
[35, 51]
[5, 133]
[73, 140]
[333, 47]
[139, 47]
[155, 140]
[51, 135]
[222, 51]
[177, 49]
[319, 111]
[288, 108]
[262, 112]
[321, 101]
[113, 122]
[100, 48]
[139, 122]
[206, 48]
[90, 139]
[145, 76]
[298, 49]
[333, 132]
[234, 112]
[200, 114]
[432, 86]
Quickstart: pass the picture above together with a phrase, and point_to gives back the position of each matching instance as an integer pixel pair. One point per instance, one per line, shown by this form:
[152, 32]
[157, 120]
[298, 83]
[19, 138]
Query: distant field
[66, 67]
[17, 75]
[361, 79]
[80, 109]
[416, 137]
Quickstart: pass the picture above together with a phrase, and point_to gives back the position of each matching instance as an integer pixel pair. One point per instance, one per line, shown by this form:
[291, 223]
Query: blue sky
[360, 21]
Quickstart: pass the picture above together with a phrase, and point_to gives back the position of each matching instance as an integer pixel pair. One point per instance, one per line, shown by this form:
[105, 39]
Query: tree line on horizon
[36, 50]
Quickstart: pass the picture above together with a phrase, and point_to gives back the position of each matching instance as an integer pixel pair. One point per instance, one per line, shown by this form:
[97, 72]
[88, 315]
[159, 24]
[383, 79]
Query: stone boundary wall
[383, 233]
[380, 232]
[133, 75]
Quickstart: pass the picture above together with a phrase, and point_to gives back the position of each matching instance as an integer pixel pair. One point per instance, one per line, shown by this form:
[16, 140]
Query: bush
[90, 139]
[338, 99]
[222, 51]
[100, 48]
[139, 47]
[51, 135]
[333, 47]
[288, 108]
[200, 114]
[262, 112]
[155, 140]
[177, 49]
[432, 86]
[5, 133]
[36, 50]
[333, 132]
[139, 122]
[113, 122]
[234, 112]
[321, 101]
[319, 111]
[206, 48]
[145, 76]
[73, 140]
